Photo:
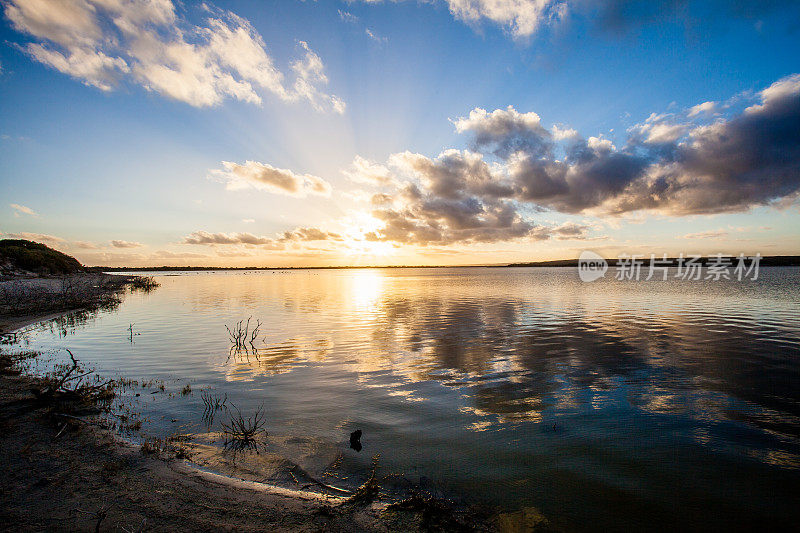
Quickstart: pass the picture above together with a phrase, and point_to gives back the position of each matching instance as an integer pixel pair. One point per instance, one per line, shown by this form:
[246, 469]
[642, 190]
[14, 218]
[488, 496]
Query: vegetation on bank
[37, 280]
[77, 292]
[20, 257]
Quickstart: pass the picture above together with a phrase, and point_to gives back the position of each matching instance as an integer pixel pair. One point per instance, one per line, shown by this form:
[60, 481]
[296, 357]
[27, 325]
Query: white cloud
[266, 177]
[346, 16]
[662, 128]
[310, 234]
[37, 237]
[600, 145]
[375, 37]
[505, 131]
[102, 42]
[706, 234]
[310, 74]
[165, 254]
[521, 18]
[125, 244]
[665, 133]
[497, 122]
[365, 171]
[560, 134]
[21, 209]
[706, 108]
[206, 238]
[781, 89]
[86, 245]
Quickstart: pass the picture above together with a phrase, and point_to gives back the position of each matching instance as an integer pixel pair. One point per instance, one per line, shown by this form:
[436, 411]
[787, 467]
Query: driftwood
[69, 387]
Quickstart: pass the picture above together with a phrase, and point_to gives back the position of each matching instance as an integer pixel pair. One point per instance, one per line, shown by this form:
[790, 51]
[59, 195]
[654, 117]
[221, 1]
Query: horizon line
[777, 260]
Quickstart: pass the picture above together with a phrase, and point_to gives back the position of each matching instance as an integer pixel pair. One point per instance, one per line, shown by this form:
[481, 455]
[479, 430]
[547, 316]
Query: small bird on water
[355, 440]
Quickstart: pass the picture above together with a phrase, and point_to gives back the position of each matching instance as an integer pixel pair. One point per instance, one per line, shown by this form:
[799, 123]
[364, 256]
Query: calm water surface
[607, 405]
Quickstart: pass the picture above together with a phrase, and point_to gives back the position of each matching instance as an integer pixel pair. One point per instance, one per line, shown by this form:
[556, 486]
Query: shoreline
[74, 474]
[81, 443]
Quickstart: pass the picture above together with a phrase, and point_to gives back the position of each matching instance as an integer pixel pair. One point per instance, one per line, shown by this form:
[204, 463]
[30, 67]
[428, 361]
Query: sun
[357, 245]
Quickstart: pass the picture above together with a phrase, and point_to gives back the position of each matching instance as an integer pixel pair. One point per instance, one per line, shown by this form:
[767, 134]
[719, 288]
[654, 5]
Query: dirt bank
[60, 474]
[27, 300]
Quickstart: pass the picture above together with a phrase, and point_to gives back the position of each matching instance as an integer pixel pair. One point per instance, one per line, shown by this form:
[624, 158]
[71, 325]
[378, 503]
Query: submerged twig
[98, 515]
[369, 490]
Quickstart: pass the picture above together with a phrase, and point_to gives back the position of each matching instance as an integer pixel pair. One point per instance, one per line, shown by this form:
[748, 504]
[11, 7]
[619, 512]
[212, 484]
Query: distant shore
[770, 260]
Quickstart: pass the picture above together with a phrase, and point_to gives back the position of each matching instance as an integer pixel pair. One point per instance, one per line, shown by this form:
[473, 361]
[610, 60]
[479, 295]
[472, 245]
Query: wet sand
[65, 475]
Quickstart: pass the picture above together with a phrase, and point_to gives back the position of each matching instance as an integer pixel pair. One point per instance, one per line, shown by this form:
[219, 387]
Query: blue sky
[123, 155]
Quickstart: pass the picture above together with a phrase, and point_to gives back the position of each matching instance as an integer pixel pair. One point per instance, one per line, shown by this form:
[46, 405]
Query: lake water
[607, 405]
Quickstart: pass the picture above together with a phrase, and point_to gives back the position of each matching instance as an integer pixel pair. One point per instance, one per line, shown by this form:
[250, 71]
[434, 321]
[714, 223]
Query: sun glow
[365, 289]
[364, 248]
[356, 244]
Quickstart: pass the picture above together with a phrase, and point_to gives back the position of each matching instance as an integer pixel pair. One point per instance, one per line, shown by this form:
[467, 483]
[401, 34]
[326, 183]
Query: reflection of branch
[239, 333]
[212, 403]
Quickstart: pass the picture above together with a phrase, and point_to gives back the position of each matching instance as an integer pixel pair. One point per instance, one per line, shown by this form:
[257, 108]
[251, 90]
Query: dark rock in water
[355, 440]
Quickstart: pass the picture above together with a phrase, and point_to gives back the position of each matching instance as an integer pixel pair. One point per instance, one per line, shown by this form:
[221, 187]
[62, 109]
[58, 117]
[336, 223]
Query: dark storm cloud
[459, 198]
[454, 174]
[750, 160]
[669, 163]
[586, 178]
[684, 163]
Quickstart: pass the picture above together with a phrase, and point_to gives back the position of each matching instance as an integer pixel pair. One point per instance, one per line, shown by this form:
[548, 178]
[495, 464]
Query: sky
[405, 132]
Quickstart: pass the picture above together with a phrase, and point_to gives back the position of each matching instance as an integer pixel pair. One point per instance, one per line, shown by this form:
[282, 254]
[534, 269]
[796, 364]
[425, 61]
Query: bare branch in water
[243, 432]
[241, 336]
